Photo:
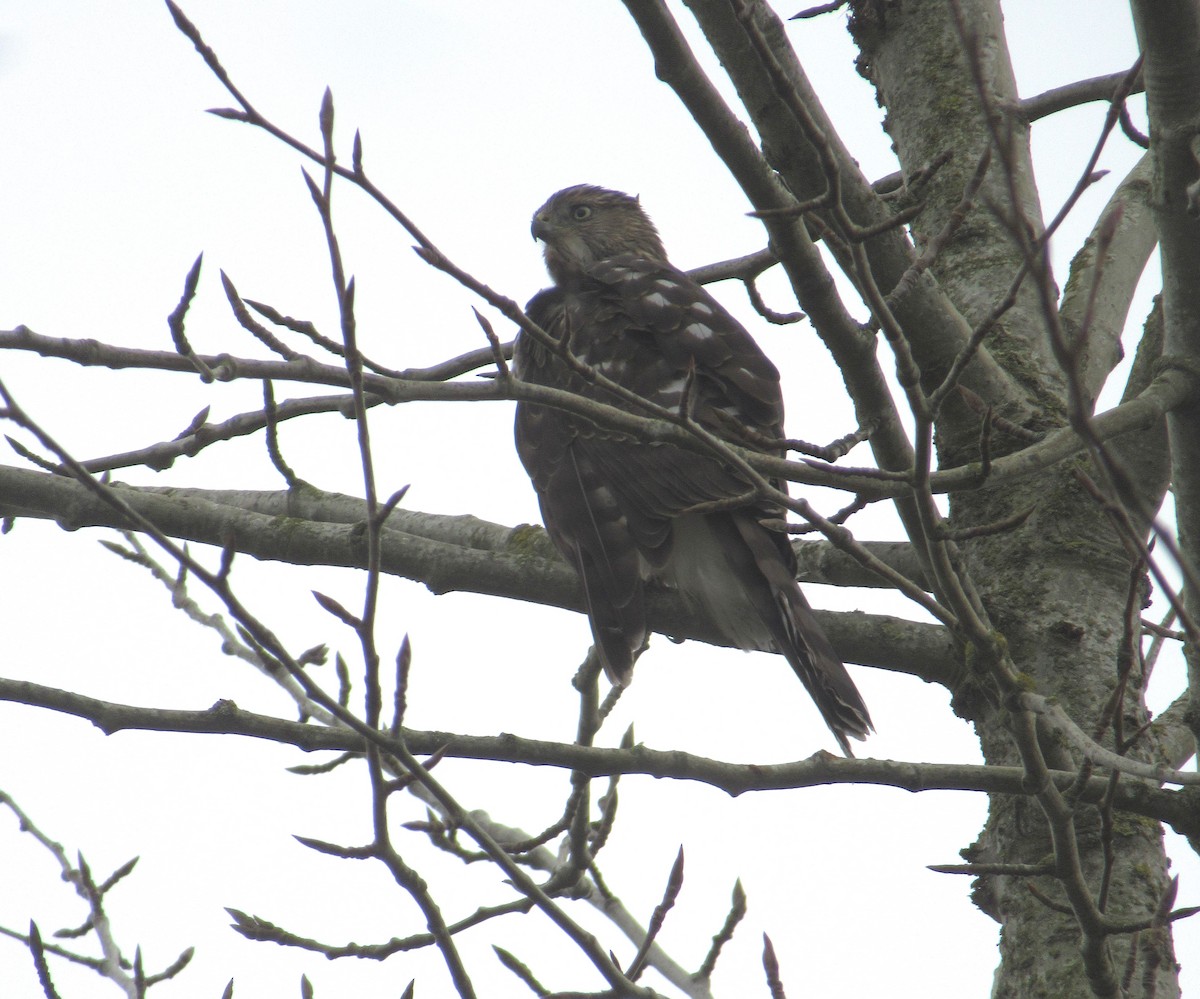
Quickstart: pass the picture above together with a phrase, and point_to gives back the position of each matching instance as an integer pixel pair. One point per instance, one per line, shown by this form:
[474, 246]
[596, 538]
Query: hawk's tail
[820, 670]
[618, 630]
[802, 640]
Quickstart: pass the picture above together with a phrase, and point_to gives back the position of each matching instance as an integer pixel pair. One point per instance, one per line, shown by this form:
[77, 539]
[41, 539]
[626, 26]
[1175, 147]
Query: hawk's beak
[541, 229]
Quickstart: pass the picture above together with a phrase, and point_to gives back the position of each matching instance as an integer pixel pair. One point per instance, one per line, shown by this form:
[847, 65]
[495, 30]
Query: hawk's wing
[617, 507]
[652, 329]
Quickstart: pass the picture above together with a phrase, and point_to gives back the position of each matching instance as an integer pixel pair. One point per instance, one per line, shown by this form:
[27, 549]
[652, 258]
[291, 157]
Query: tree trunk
[1055, 588]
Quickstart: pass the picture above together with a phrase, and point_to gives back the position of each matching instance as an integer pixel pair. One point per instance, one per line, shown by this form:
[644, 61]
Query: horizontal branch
[1178, 808]
[1098, 88]
[447, 555]
[1171, 388]
[818, 561]
[224, 367]
[423, 387]
[738, 268]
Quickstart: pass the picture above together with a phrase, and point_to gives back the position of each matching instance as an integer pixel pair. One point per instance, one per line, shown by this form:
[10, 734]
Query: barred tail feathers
[801, 639]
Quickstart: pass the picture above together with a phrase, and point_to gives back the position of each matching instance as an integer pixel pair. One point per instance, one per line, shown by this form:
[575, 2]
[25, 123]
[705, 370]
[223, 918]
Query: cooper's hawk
[622, 510]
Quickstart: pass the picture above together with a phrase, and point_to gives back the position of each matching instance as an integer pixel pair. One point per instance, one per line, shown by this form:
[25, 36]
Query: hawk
[628, 513]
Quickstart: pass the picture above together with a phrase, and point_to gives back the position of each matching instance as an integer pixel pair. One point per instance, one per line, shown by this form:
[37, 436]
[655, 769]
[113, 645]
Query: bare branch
[224, 718]
[1070, 95]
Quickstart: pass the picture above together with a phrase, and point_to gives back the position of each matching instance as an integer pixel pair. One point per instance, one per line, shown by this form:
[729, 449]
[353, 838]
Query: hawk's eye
[581, 212]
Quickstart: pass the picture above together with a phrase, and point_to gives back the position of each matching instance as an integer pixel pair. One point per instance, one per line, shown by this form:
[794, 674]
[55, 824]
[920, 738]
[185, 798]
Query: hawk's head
[584, 224]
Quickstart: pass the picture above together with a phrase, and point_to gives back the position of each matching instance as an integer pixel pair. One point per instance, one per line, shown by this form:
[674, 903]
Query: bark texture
[1056, 587]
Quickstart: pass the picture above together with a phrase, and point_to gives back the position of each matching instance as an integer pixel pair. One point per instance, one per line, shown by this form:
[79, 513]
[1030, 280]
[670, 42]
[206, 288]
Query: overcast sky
[114, 179]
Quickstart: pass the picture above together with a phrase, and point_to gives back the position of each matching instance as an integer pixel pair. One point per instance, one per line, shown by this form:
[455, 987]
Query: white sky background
[113, 179]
